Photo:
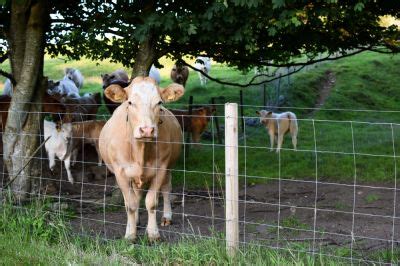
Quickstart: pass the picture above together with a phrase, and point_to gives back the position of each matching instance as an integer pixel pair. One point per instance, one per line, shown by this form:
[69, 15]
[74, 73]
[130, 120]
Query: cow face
[142, 100]
[265, 116]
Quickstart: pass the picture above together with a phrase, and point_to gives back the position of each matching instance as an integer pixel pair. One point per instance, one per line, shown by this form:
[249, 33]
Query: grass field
[334, 144]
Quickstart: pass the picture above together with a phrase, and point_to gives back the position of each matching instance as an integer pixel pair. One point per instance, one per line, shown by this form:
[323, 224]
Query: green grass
[33, 235]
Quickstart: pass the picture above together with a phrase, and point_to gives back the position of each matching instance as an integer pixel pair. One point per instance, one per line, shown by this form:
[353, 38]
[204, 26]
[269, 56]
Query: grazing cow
[154, 73]
[8, 88]
[86, 132]
[278, 125]
[59, 144]
[197, 122]
[82, 108]
[140, 143]
[75, 75]
[180, 74]
[204, 64]
[116, 78]
[64, 87]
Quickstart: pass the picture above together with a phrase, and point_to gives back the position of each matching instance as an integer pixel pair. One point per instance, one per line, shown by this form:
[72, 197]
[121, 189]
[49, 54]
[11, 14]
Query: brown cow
[197, 122]
[139, 144]
[51, 105]
[118, 77]
[86, 132]
[180, 74]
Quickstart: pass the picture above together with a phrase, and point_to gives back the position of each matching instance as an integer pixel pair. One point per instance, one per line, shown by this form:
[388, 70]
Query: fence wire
[335, 195]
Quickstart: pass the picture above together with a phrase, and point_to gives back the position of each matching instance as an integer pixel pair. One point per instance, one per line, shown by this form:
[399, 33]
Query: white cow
[8, 88]
[154, 73]
[75, 75]
[204, 64]
[59, 144]
[64, 87]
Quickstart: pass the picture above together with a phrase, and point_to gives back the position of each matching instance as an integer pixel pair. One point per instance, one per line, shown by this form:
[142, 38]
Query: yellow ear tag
[170, 97]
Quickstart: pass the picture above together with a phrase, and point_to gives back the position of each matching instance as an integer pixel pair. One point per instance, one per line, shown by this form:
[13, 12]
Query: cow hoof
[155, 238]
[165, 222]
[130, 238]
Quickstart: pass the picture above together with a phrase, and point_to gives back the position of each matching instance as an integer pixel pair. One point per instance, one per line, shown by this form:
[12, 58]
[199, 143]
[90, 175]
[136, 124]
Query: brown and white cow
[139, 144]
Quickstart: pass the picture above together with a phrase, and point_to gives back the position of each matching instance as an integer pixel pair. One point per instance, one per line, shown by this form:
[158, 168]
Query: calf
[180, 74]
[140, 143]
[204, 64]
[59, 145]
[119, 78]
[197, 122]
[278, 125]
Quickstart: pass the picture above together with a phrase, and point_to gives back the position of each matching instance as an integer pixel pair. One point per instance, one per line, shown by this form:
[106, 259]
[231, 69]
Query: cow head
[143, 99]
[265, 116]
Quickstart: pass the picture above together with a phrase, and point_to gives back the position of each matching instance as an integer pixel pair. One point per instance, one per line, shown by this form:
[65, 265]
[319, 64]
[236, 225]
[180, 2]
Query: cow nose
[146, 132]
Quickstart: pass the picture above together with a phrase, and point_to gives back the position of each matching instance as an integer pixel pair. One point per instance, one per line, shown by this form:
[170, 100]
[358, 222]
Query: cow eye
[130, 103]
[160, 102]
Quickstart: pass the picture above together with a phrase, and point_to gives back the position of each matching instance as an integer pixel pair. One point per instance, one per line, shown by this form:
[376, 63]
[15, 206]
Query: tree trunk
[144, 58]
[26, 38]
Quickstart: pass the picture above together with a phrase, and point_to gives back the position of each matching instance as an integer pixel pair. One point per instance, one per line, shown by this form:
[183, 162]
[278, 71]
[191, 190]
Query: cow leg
[131, 199]
[271, 140]
[294, 141]
[152, 202]
[167, 212]
[67, 163]
[52, 161]
[74, 156]
[96, 145]
[280, 140]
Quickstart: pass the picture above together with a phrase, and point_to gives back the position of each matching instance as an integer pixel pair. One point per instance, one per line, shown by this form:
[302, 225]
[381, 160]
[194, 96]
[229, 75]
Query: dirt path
[327, 83]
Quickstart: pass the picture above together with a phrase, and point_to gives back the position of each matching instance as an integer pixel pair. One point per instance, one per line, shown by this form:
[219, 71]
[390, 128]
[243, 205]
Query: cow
[82, 108]
[140, 144]
[278, 125]
[204, 64]
[154, 73]
[86, 132]
[180, 74]
[197, 122]
[64, 87]
[8, 88]
[117, 78]
[59, 144]
[75, 75]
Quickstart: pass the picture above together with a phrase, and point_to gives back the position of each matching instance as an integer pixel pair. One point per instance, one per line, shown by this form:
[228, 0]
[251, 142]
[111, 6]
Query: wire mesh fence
[334, 195]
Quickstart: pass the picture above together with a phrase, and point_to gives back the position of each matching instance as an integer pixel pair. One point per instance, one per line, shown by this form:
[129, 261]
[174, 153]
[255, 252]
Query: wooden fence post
[231, 178]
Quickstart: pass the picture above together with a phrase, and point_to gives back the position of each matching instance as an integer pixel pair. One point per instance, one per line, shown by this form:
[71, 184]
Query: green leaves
[359, 7]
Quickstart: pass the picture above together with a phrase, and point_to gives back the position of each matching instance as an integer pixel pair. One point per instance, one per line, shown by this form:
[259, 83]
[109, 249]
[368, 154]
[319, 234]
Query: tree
[241, 33]
[137, 33]
[25, 30]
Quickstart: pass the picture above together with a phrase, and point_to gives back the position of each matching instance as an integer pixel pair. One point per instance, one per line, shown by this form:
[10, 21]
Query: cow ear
[172, 92]
[116, 93]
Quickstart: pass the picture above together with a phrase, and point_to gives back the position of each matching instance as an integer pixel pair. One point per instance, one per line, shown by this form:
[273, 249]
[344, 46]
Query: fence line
[272, 204]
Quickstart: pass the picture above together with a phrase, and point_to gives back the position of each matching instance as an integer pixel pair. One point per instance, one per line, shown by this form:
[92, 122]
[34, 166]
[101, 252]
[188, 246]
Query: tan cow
[278, 125]
[139, 144]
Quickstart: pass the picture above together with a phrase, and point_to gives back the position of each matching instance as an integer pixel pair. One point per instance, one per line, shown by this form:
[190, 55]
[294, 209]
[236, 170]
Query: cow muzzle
[147, 132]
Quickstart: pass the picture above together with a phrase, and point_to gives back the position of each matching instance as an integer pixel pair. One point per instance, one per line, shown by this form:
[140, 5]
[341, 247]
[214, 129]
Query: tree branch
[4, 57]
[251, 83]
[9, 76]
